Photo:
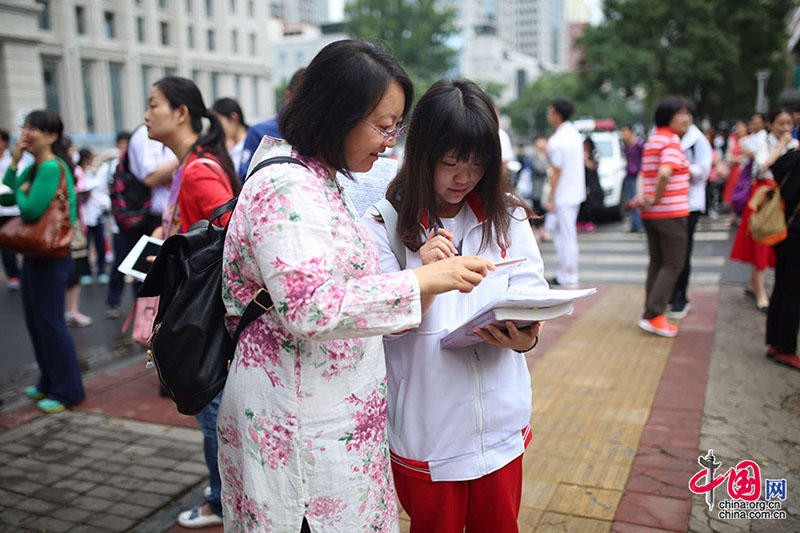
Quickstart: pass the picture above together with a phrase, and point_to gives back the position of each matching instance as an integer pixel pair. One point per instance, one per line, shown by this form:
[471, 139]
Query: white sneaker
[194, 519]
[207, 492]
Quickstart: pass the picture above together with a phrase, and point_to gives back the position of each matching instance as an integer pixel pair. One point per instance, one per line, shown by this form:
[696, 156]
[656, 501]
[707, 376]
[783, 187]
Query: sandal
[194, 518]
[50, 406]
[772, 352]
[763, 308]
[34, 393]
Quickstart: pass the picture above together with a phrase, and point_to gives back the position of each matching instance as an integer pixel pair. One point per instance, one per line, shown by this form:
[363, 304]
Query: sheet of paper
[369, 187]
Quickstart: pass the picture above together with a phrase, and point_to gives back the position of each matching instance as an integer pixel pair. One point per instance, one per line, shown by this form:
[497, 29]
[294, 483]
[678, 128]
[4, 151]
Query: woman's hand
[158, 233]
[16, 153]
[455, 273]
[437, 247]
[516, 339]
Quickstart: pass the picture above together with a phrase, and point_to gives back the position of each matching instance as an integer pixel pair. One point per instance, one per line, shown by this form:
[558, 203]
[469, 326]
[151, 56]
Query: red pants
[489, 504]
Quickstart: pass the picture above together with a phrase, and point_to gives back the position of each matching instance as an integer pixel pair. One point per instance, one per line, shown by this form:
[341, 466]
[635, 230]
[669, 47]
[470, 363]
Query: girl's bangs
[471, 138]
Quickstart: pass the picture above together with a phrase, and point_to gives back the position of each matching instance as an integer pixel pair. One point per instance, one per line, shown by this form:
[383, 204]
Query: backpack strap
[389, 215]
[262, 301]
[275, 161]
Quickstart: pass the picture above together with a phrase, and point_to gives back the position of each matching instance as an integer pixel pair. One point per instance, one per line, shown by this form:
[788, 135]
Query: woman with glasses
[302, 421]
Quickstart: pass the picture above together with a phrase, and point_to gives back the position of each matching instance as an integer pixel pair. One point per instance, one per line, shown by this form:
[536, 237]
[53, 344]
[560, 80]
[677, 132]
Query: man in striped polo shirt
[664, 201]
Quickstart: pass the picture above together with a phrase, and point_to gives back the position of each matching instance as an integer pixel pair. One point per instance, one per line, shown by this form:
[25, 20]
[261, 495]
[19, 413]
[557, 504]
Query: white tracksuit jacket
[459, 414]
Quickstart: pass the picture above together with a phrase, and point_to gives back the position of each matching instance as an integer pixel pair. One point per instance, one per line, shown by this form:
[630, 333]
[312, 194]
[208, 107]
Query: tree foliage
[707, 50]
[415, 31]
[528, 112]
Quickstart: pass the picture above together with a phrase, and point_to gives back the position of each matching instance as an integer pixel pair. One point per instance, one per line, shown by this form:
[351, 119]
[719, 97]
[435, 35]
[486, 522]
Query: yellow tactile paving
[592, 394]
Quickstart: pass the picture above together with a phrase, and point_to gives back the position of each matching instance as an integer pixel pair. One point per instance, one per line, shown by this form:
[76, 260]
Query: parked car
[610, 161]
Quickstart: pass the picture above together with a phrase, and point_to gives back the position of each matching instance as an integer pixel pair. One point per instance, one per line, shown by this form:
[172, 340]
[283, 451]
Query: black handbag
[190, 346]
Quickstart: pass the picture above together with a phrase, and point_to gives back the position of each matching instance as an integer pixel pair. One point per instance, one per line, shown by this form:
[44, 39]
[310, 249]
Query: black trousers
[680, 295]
[783, 318]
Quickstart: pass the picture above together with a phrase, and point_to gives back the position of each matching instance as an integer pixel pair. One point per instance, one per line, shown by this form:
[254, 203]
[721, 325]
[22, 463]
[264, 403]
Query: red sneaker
[788, 360]
[659, 326]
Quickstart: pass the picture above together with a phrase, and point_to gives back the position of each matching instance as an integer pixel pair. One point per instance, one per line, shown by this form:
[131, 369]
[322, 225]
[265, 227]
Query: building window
[165, 33]
[140, 29]
[146, 83]
[80, 20]
[108, 23]
[210, 39]
[237, 86]
[233, 6]
[44, 15]
[214, 86]
[196, 76]
[235, 41]
[190, 37]
[163, 4]
[209, 8]
[189, 6]
[86, 76]
[170, 71]
[252, 44]
[50, 74]
[250, 8]
[115, 75]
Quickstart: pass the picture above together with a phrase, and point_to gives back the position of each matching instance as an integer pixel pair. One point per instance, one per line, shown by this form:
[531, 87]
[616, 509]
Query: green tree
[415, 31]
[707, 50]
[528, 112]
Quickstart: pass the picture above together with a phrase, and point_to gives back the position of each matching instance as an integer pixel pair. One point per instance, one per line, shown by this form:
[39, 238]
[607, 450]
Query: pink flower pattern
[307, 387]
[248, 514]
[270, 438]
[325, 510]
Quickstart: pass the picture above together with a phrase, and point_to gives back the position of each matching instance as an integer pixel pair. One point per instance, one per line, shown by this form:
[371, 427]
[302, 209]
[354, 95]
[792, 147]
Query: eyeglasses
[388, 135]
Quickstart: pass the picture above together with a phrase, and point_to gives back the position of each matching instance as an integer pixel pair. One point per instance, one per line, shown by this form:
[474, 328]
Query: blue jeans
[43, 284]
[116, 283]
[628, 192]
[207, 420]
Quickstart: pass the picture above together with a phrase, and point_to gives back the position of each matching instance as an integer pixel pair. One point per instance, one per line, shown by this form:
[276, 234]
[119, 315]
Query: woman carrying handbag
[38, 190]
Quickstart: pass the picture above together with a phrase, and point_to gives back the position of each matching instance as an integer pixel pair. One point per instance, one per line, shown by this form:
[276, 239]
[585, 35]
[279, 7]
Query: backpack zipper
[151, 359]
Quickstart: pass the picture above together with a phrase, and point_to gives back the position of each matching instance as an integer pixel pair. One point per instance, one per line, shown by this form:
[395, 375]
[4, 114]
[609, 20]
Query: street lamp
[762, 102]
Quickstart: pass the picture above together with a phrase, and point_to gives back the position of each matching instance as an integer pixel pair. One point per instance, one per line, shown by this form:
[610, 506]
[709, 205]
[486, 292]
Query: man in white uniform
[567, 190]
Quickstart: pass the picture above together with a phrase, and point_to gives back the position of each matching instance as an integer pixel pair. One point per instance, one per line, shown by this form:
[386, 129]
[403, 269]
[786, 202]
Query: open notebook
[519, 305]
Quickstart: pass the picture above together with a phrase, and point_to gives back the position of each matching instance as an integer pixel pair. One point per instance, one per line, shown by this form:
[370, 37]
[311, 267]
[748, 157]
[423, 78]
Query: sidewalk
[618, 422]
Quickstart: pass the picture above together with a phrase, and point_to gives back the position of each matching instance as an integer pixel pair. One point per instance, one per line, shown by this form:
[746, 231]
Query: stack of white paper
[521, 305]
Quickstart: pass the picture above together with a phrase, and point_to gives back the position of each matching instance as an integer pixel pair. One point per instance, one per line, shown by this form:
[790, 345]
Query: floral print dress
[302, 421]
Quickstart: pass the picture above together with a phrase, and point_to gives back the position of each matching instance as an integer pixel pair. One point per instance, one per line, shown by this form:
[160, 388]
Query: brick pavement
[615, 418]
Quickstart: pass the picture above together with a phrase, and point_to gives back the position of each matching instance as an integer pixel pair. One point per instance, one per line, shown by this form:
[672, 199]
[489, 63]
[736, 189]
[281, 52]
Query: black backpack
[130, 197]
[190, 346]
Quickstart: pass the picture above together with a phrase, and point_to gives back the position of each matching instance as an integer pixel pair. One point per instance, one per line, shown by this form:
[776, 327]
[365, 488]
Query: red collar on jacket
[474, 203]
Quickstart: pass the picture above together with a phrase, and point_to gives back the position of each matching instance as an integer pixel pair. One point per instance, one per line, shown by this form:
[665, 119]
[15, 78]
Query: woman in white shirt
[458, 418]
[230, 114]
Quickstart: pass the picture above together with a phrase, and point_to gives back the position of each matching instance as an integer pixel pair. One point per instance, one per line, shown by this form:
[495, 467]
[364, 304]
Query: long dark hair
[227, 107]
[453, 115]
[343, 84]
[49, 122]
[181, 91]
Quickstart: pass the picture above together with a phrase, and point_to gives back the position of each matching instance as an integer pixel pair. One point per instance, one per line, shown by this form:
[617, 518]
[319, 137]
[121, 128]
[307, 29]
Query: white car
[611, 166]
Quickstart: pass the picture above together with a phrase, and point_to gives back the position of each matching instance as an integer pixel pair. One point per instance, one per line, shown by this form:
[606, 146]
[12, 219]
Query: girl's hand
[786, 138]
[516, 339]
[455, 273]
[437, 247]
[158, 233]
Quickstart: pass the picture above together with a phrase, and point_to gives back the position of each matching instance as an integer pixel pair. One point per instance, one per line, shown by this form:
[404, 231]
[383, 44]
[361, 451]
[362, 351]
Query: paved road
[97, 345]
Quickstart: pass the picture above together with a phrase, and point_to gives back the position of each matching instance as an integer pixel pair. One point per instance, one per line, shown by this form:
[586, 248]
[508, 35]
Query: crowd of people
[338, 397]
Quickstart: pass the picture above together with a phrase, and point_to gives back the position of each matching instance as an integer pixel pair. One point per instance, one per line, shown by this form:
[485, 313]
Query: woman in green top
[44, 280]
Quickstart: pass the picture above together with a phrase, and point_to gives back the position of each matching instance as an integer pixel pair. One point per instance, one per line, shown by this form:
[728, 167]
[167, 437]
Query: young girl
[231, 116]
[204, 180]
[458, 419]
